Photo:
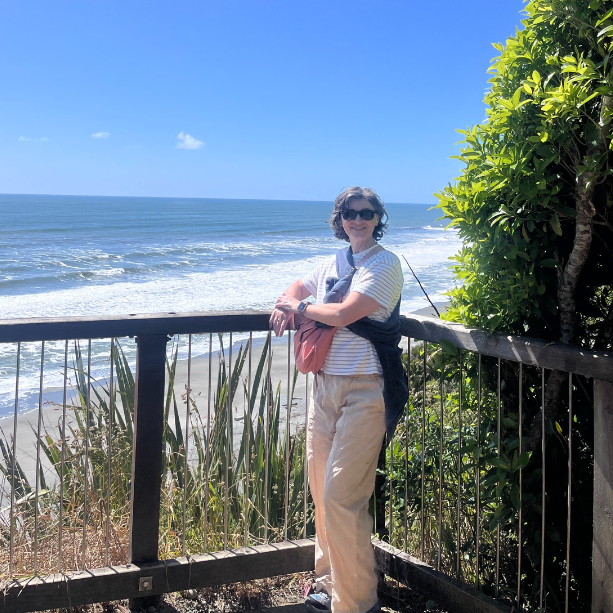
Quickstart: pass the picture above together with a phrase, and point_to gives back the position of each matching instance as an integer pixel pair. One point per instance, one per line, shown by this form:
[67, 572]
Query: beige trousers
[345, 430]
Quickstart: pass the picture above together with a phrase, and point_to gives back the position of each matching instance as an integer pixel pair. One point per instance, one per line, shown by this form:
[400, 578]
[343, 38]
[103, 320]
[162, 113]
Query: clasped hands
[283, 313]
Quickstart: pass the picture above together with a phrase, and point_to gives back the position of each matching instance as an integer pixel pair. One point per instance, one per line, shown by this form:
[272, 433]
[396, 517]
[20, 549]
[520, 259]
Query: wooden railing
[146, 576]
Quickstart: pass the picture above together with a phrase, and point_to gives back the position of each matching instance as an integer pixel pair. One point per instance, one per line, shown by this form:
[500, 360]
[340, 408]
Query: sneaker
[318, 602]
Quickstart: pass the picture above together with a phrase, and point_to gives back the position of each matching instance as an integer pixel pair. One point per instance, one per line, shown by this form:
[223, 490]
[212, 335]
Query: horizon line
[196, 198]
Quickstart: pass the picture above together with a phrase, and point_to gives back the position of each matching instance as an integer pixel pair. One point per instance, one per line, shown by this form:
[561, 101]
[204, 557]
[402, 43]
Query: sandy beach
[51, 417]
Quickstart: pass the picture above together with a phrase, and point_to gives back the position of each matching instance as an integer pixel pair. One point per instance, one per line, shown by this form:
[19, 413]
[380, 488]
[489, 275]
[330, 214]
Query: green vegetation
[533, 207]
[460, 451]
[533, 201]
[108, 434]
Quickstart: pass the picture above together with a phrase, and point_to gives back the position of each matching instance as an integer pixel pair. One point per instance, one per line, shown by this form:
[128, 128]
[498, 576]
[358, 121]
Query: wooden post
[602, 545]
[147, 456]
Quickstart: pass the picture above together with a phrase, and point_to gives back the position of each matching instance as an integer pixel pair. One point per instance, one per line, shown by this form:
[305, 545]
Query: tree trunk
[569, 279]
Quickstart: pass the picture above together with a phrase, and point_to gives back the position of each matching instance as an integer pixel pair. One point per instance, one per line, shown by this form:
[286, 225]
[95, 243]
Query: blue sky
[265, 98]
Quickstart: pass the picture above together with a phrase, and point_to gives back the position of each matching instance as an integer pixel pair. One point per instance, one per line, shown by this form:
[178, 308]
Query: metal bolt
[145, 584]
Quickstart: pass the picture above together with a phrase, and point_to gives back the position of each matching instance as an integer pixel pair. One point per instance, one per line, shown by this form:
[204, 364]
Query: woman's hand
[282, 316]
[279, 321]
[287, 304]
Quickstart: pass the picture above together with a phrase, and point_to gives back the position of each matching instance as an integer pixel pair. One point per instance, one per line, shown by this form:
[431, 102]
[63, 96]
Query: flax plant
[86, 514]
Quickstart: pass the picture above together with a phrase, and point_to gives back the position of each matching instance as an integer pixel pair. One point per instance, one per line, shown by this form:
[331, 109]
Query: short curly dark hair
[342, 202]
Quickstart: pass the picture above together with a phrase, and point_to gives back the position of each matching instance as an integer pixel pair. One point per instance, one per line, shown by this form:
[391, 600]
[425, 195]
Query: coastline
[51, 416]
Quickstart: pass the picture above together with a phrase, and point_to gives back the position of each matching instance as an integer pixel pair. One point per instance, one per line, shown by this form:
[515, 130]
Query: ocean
[86, 255]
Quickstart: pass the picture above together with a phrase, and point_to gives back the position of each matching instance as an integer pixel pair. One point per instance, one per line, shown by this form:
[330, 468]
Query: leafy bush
[533, 207]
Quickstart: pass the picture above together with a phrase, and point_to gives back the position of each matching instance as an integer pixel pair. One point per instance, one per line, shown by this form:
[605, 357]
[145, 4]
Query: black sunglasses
[365, 214]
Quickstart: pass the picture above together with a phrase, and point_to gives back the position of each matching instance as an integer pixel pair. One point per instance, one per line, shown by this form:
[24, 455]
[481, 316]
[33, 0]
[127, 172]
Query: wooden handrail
[536, 352]
[532, 351]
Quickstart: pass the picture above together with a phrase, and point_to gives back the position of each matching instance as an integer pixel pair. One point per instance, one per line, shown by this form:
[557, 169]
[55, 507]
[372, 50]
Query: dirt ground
[277, 595]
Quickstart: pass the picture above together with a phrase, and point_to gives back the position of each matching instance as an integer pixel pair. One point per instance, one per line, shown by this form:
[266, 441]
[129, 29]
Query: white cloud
[27, 139]
[24, 139]
[100, 134]
[44, 139]
[188, 142]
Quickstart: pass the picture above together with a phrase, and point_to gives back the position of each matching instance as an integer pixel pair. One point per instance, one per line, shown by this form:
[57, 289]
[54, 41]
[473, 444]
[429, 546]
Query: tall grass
[89, 508]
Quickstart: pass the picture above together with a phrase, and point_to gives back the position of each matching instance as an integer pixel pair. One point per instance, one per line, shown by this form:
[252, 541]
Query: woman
[351, 407]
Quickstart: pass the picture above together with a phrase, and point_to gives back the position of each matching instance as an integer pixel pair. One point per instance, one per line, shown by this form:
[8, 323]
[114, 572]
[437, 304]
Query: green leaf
[525, 234]
[501, 463]
[555, 224]
[523, 460]
[606, 16]
[588, 99]
[515, 497]
[448, 347]
[603, 32]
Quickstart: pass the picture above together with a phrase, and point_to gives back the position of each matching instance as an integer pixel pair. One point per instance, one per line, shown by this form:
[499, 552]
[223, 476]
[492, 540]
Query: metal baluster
[519, 531]
[406, 449]
[542, 488]
[499, 498]
[423, 455]
[569, 494]
[478, 476]
[228, 436]
[14, 467]
[287, 433]
[38, 465]
[208, 441]
[440, 481]
[459, 511]
[247, 427]
[62, 460]
[86, 459]
[305, 461]
[110, 456]
[391, 492]
[266, 438]
[186, 447]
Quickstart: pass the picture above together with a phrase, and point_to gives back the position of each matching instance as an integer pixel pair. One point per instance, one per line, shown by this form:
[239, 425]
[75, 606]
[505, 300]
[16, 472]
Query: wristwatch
[302, 306]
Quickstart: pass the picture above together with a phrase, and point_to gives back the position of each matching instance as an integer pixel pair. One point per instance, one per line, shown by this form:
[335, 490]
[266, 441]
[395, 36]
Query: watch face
[302, 306]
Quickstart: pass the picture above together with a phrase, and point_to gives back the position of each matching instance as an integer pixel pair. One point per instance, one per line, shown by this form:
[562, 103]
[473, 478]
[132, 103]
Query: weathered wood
[602, 544]
[139, 324]
[445, 591]
[147, 448]
[148, 436]
[119, 582]
[598, 364]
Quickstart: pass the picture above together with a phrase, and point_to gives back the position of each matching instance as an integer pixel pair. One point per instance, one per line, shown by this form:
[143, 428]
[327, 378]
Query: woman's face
[359, 229]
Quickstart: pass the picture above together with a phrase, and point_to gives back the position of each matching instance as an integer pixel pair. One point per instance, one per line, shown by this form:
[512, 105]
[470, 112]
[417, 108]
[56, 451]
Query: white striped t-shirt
[380, 278]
